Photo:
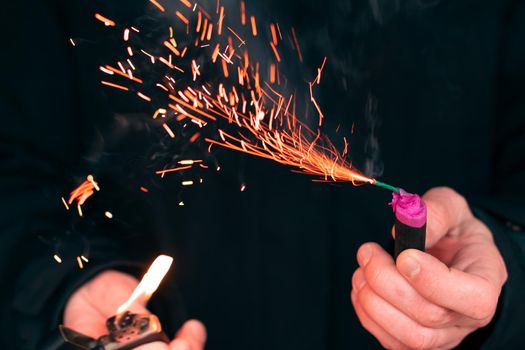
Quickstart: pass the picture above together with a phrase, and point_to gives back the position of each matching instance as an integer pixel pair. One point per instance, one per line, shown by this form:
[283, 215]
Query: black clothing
[268, 268]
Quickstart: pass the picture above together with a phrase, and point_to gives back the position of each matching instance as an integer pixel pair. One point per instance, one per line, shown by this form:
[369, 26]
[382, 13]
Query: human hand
[431, 300]
[89, 307]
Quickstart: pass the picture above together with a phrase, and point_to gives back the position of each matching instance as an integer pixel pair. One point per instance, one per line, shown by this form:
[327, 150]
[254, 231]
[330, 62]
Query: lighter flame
[149, 283]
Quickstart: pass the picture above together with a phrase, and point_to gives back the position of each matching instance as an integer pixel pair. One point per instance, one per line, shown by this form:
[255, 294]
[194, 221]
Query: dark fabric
[268, 268]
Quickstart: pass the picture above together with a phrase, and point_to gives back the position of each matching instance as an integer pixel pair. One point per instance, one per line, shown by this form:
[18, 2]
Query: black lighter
[411, 222]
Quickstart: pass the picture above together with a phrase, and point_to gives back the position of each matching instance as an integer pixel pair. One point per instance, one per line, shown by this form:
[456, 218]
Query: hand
[90, 306]
[431, 300]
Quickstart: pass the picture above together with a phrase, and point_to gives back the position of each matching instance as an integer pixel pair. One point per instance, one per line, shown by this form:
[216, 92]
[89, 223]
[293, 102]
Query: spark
[80, 263]
[187, 3]
[296, 42]
[157, 5]
[168, 130]
[254, 25]
[84, 258]
[243, 13]
[274, 34]
[162, 172]
[107, 22]
[277, 56]
[72, 42]
[57, 258]
[64, 202]
[144, 97]
[189, 162]
[263, 120]
[107, 83]
[160, 111]
[109, 215]
[107, 71]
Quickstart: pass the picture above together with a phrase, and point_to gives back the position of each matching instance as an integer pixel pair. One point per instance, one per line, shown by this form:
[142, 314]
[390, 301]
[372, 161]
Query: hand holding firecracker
[431, 300]
[115, 303]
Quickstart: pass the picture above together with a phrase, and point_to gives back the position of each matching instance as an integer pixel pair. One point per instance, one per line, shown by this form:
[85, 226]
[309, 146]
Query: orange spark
[173, 170]
[274, 34]
[297, 45]
[275, 52]
[159, 6]
[114, 85]
[119, 72]
[243, 13]
[221, 18]
[254, 26]
[107, 22]
[144, 97]
[187, 3]
[168, 130]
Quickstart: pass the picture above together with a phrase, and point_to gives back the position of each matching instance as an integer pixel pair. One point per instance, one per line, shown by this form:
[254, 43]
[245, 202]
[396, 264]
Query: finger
[153, 346]
[192, 336]
[386, 340]
[469, 294]
[401, 327]
[446, 209]
[383, 277]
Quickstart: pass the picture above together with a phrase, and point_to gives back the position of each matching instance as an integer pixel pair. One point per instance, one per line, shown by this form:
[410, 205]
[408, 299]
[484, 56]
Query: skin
[90, 306]
[431, 300]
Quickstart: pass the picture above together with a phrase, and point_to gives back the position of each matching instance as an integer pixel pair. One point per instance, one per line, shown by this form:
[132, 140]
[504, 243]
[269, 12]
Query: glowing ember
[82, 193]
[57, 258]
[149, 283]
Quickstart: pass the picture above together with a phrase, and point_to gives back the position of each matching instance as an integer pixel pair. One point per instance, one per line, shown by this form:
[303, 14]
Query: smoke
[384, 10]
[374, 167]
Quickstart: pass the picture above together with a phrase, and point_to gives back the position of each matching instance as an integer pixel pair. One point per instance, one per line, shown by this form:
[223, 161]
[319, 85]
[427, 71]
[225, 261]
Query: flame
[149, 283]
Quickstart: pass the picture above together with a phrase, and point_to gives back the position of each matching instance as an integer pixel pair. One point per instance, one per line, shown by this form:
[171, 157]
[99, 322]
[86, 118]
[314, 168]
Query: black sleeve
[504, 210]
[42, 146]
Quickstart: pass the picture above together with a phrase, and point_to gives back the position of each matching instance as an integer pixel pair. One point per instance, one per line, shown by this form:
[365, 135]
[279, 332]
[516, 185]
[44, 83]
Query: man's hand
[431, 300]
[90, 306]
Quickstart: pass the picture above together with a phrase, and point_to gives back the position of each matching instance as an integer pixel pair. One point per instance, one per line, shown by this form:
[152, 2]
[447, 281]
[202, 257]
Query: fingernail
[359, 280]
[181, 344]
[365, 253]
[409, 267]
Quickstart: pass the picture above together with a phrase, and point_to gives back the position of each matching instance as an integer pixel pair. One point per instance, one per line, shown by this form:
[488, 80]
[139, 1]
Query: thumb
[468, 294]
[192, 336]
[446, 210]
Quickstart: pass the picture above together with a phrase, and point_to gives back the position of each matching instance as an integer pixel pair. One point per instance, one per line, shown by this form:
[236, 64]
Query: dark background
[268, 268]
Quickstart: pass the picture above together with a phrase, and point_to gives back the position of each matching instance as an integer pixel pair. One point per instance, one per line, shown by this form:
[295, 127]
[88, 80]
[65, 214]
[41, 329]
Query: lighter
[411, 222]
[125, 332]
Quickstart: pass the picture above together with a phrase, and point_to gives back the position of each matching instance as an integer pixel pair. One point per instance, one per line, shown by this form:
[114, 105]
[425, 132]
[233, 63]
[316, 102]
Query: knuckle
[449, 197]
[487, 305]
[422, 340]
[375, 276]
[434, 317]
